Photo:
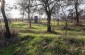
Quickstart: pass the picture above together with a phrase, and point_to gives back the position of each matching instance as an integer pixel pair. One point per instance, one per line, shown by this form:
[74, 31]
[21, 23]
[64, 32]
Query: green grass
[36, 41]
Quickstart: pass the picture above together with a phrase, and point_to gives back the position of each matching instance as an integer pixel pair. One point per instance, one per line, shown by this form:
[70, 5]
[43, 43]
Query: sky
[10, 1]
[15, 13]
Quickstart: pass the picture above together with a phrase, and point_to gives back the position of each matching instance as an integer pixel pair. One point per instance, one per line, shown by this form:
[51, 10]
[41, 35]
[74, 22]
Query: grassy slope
[36, 41]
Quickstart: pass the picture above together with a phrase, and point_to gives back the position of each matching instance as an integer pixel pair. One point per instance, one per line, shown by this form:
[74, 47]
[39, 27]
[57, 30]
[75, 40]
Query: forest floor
[36, 41]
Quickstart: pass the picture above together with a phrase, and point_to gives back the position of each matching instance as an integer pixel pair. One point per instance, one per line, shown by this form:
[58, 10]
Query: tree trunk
[23, 16]
[77, 14]
[29, 17]
[66, 26]
[58, 22]
[7, 32]
[30, 21]
[48, 23]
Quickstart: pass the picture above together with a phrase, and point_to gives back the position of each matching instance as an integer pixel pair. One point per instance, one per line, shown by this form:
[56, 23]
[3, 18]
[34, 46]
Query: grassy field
[36, 41]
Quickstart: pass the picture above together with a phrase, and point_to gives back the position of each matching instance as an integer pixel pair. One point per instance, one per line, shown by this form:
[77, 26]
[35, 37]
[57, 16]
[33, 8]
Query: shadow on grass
[54, 32]
[23, 45]
[71, 29]
[43, 23]
[27, 38]
[32, 28]
[39, 32]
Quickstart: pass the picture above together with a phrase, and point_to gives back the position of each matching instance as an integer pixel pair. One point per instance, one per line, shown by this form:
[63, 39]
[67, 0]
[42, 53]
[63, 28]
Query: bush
[1, 33]
[14, 32]
[5, 42]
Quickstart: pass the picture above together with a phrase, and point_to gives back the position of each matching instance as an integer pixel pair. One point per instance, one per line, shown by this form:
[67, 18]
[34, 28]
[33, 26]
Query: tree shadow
[23, 45]
[40, 32]
[27, 38]
[32, 28]
[70, 29]
[54, 32]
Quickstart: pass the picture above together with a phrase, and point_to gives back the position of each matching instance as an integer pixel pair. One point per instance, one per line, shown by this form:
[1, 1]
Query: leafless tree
[7, 31]
[48, 6]
[26, 6]
[76, 4]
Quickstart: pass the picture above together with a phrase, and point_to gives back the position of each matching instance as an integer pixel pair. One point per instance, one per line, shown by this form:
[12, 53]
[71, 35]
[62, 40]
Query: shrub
[5, 42]
[14, 32]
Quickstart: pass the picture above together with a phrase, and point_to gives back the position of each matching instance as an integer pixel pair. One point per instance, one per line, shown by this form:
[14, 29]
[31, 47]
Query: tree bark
[7, 31]
[29, 18]
[48, 24]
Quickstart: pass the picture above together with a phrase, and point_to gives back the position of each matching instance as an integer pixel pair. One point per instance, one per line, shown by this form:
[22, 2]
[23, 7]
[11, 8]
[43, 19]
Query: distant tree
[7, 31]
[75, 6]
[25, 6]
[77, 12]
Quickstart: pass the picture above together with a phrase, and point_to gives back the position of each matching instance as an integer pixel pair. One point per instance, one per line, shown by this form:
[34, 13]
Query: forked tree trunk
[7, 32]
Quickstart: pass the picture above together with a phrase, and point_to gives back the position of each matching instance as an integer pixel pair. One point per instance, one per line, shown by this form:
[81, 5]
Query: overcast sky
[10, 1]
[16, 13]
[13, 13]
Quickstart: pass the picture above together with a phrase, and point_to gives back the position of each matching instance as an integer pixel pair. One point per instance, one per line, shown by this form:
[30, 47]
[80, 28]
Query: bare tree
[7, 31]
[76, 4]
[26, 6]
[48, 7]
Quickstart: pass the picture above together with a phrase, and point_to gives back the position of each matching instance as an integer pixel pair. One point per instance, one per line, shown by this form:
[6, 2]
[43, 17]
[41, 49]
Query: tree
[48, 6]
[76, 4]
[7, 31]
[26, 6]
